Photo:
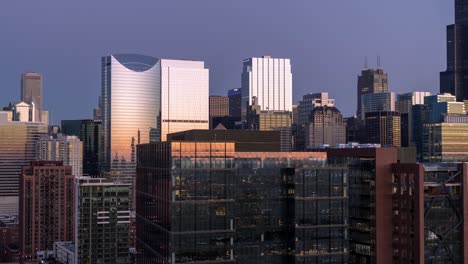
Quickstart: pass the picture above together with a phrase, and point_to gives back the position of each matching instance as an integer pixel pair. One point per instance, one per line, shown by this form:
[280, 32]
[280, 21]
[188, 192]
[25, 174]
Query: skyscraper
[370, 81]
[130, 105]
[255, 206]
[305, 107]
[235, 99]
[17, 149]
[453, 80]
[325, 127]
[383, 128]
[47, 207]
[219, 107]
[103, 220]
[404, 105]
[68, 149]
[270, 81]
[31, 92]
[89, 131]
[376, 102]
[142, 94]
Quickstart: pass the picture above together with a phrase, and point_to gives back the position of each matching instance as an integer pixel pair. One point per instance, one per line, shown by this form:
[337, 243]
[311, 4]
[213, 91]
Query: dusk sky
[326, 40]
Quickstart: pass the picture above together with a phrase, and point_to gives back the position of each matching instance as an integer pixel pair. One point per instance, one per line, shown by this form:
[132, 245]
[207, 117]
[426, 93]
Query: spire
[378, 62]
[365, 63]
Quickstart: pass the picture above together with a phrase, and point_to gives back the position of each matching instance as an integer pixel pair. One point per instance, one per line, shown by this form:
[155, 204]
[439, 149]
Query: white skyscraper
[184, 96]
[68, 149]
[270, 81]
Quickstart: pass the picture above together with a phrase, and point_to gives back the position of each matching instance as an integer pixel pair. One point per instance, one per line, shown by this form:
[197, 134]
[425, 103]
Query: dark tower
[453, 79]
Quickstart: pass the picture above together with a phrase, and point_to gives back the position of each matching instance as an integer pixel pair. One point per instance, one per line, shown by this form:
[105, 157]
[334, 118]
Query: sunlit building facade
[17, 149]
[68, 149]
[130, 107]
[445, 142]
[270, 81]
[229, 202]
[143, 96]
[184, 96]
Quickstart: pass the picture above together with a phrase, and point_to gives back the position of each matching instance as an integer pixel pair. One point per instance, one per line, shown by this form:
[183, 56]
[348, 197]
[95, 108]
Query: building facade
[453, 79]
[68, 149]
[235, 101]
[377, 102]
[219, 107]
[31, 92]
[17, 149]
[47, 206]
[370, 81]
[325, 127]
[383, 128]
[89, 131]
[370, 201]
[144, 96]
[270, 81]
[253, 206]
[103, 220]
[445, 142]
[304, 109]
[404, 105]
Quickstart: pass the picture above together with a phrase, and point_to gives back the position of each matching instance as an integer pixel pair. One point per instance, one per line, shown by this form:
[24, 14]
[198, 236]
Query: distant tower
[31, 92]
[453, 79]
[371, 81]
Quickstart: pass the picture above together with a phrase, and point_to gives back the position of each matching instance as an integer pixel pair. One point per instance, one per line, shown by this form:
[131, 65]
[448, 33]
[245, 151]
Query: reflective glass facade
[205, 202]
[17, 149]
[370, 81]
[184, 96]
[143, 96]
[270, 81]
[131, 106]
[445, 142]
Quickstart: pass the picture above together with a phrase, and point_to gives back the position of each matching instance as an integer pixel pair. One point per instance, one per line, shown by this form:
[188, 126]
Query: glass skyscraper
[217, 202]
[370, 81]
[453, 80]
[17, 149]
[143, 94]
[270, 81]
[131, 105]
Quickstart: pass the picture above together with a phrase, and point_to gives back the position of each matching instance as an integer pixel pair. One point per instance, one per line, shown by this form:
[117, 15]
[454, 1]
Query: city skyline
[70, 63]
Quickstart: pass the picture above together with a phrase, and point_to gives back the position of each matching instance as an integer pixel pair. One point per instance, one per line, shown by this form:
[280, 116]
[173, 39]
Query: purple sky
[326, 40]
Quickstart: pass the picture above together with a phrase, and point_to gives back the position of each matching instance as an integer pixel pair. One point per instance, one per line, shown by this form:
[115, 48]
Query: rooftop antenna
[365, 63]
[378, 61]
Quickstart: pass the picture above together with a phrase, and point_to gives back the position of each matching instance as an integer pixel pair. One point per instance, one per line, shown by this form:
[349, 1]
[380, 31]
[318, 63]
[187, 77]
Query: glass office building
[131, 105]
[142, 94]
[17, 149]
[210, 202]
[270, 81]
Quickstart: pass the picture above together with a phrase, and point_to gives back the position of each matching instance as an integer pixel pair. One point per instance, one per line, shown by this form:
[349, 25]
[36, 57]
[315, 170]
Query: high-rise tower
[31, 92]
[270, 81]
[143, 95]
[370, 81]
[453, 80]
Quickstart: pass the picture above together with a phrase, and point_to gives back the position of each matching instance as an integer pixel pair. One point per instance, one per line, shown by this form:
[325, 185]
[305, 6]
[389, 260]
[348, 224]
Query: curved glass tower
[130, 108]
[143, 99]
